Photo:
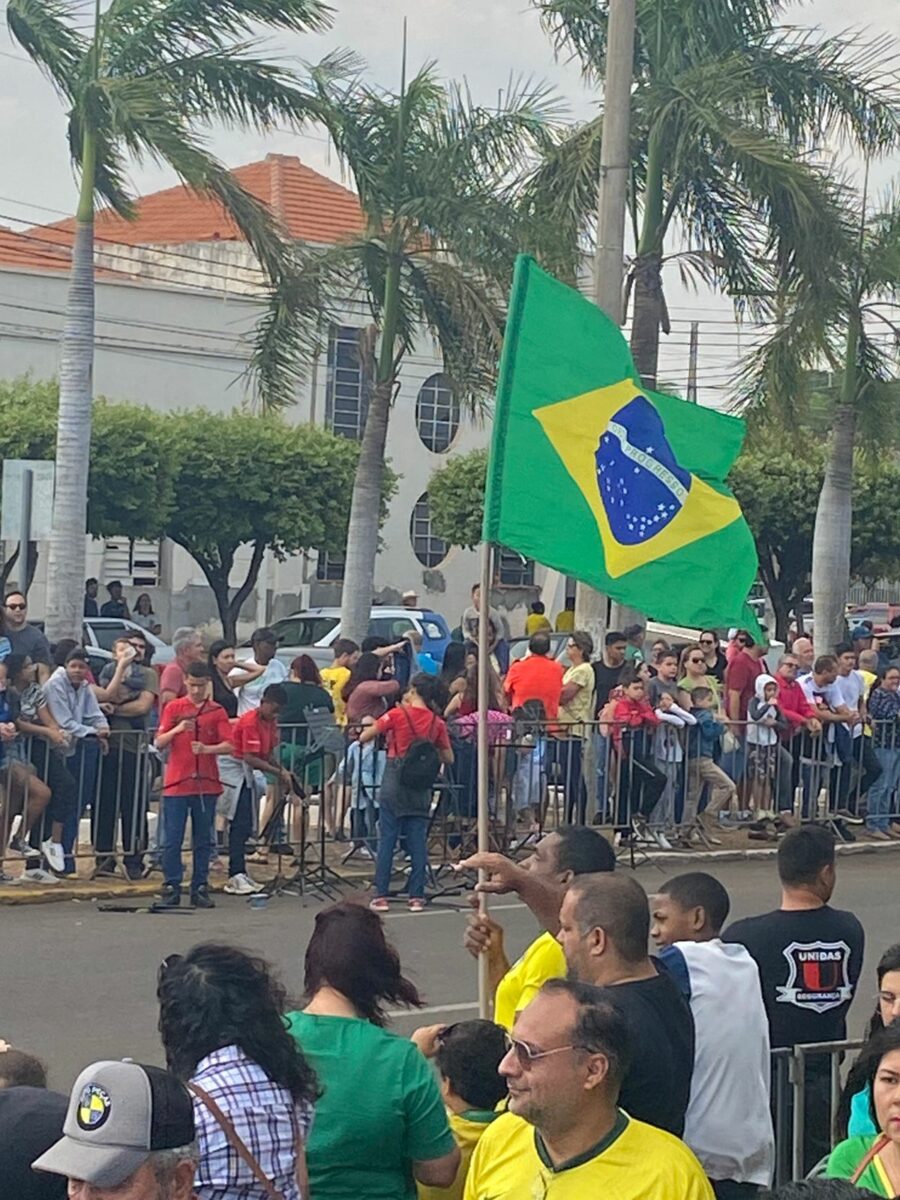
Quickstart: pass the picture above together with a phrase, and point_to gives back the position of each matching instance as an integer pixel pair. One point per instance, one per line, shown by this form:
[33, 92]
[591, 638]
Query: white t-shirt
[250, 694]
[852, 688]
[728, 1123]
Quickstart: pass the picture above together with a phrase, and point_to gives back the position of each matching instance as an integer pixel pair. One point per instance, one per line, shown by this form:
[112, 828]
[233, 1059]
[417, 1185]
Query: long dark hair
[217, 996]
[366, 668]
[454, 662]
[220, 688]
[306, 670]
[862, 1075]
[349, 952]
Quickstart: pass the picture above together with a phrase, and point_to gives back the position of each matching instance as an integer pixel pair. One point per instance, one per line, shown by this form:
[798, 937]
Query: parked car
[103, 631]
[313, 630]
[877, 614]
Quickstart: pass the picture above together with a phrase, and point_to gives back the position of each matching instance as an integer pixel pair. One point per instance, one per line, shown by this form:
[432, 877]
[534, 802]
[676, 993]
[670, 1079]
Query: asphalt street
[77, 984]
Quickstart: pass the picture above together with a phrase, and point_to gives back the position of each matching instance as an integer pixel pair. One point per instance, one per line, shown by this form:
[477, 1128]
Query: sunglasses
[696, 661]
[706, 642]
[527, 1056]
[17, 607]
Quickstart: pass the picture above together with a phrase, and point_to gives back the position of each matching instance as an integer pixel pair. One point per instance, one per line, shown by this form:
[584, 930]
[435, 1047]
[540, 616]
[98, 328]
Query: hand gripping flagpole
[484, 999]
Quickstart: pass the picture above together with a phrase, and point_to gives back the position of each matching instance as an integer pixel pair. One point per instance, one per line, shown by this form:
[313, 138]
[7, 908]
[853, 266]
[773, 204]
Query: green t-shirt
[847, 1156]
[381, 1109]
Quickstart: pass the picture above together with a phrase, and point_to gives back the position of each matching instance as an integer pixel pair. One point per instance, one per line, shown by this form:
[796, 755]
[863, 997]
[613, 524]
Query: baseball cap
[119, 1114]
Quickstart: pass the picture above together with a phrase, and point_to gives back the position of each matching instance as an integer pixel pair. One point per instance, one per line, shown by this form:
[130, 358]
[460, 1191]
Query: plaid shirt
[265, 1118]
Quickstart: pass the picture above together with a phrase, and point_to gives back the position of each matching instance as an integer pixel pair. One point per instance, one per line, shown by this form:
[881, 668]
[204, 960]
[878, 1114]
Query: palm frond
[577, 29]
[110, 185]
[45, 31]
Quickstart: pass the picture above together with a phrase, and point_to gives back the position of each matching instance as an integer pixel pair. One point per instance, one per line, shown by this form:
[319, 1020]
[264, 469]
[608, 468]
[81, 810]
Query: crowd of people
[604, 1069]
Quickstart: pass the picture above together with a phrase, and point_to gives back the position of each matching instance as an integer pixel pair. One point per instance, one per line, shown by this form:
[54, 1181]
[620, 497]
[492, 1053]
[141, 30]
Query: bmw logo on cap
[93, 1107]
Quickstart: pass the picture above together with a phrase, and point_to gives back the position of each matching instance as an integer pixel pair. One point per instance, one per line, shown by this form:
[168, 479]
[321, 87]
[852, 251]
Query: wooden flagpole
[484, 999]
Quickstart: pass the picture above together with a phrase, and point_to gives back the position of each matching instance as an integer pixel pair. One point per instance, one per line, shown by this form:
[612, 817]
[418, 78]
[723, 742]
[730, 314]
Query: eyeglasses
[526, 1056]
[707, 642]
[696, 662]
[790, 665]
[17, 607]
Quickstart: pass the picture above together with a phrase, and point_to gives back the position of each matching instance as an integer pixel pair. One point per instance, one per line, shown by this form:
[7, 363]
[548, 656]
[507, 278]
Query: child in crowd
[632, 722]
[704, 741]
[668, 752]
[468, 1057]
[765, 721]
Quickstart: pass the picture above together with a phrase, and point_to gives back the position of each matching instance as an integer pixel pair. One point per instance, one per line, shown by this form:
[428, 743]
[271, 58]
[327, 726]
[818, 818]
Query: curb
[14, 895]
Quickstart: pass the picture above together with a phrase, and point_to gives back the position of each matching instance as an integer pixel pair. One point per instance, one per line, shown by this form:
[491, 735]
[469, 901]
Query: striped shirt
[265, 1118]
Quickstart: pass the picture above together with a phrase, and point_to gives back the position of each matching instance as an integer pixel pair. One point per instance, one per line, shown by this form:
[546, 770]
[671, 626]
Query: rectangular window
[515, 571]
[330, 567]
[346, 385]
[136, 564]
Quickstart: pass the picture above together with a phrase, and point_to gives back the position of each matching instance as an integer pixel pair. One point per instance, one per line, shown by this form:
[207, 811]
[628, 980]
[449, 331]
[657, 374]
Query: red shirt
[187, 773]
[740, 676]
[172, 680]
[402, 732]
[535, 678]
[252, 735]
[632, 714]
[793, 703]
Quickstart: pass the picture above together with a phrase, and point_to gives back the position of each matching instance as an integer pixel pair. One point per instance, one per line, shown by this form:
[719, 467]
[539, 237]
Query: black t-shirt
[809, 965]
[223, 694]
[31, 1121]
[657, 1084]
[605, 679]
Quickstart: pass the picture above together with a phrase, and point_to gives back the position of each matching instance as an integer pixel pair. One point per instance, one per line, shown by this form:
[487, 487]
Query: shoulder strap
[877, 1146]
[238, 1145]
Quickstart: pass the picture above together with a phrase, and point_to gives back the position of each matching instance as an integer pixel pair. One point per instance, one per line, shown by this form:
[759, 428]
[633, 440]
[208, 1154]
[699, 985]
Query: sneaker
[55, 856]
[661, 840]
[18, 845]
[240, 885]
[202, 899]
[379, 904]
[37, 875]
[170, 897]
[416, 904]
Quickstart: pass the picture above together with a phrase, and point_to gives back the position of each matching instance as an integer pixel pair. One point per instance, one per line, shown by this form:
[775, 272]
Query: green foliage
[456, 499]
[875, 548]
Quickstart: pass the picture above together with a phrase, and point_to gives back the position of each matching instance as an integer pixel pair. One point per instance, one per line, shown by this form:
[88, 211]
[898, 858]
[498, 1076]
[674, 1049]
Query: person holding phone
[195, 729]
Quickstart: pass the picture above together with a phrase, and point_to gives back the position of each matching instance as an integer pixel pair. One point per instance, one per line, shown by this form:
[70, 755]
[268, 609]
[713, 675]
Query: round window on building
[428, 549]
[437, 413]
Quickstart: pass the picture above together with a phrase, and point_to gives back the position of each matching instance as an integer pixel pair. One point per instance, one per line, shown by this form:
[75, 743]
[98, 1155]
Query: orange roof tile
[42, 250]
[310, 207]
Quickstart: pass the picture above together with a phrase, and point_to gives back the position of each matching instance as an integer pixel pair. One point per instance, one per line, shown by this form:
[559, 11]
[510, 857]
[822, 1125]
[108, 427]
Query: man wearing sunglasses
[564, 1136]
[25, 638]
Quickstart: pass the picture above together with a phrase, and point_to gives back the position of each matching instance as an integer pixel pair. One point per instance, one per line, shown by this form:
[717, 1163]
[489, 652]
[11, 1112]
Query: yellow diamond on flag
[612, 442]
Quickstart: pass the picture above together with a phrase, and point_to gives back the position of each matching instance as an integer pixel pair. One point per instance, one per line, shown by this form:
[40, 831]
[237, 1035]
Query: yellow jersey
[334, 680]
[467, 1128]
[633, 1162]
[537, 623]
[565, 621]
[543, 960]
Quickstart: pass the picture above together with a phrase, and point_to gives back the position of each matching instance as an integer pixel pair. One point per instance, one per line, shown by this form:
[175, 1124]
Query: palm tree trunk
[365, 504]
[834, 514]
[649, 305]
[66, 558]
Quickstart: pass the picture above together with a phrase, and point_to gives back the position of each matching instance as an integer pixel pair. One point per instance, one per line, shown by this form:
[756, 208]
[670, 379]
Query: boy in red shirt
[641, 783]
[401, 811]
[255, 741]
[194, 729]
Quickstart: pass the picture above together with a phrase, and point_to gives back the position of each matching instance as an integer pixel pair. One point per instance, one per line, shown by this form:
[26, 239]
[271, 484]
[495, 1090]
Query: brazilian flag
[600, 478]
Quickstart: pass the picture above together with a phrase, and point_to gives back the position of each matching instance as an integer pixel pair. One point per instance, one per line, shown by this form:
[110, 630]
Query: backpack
[421, 764]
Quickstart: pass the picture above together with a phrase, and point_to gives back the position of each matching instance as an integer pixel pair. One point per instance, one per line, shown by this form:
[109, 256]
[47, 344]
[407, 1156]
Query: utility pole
[693, 357]
[609, 260]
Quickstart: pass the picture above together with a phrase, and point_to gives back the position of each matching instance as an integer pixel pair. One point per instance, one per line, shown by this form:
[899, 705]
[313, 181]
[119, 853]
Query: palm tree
[149, 76]
[837, 326]
[431, 169]
[727, 108]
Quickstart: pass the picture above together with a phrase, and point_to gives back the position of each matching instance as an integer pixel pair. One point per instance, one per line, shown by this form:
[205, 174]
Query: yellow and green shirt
[467, 1128]
[542, 960]
[847, 1156]
[334, 679]
[633, 1162]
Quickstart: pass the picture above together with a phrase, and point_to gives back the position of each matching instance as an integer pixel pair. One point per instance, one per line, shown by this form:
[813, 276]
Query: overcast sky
[483, 40]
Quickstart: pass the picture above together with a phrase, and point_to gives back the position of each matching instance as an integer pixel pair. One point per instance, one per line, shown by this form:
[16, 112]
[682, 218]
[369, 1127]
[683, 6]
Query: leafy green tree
[875, 549]
[242, 480]
[432, 172]
[835, 326]
[728, 105]
[456, 499]
[146, 82]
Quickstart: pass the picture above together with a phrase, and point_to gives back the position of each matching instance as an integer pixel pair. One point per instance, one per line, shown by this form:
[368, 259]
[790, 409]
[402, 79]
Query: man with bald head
[604, 931]
[804, 653]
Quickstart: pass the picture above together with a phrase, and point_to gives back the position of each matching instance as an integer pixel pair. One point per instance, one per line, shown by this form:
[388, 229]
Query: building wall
[171, 346]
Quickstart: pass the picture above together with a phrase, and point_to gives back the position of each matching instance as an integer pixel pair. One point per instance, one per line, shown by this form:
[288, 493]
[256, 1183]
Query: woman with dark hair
[221, 1019]
[142, 614]
[304, 690]
[380, 1123]
[366, 693]
[873, 1160]
[716, 662]
[854, 1111]
[405, 801]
